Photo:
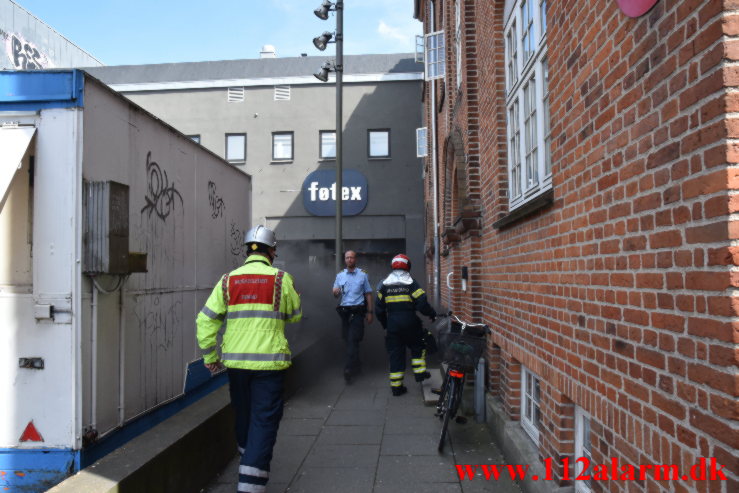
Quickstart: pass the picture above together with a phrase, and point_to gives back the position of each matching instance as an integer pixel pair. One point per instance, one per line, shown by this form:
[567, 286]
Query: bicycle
[463, 343]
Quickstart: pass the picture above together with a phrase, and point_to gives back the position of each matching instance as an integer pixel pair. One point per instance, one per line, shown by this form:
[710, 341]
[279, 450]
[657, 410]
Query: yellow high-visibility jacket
[256, 301]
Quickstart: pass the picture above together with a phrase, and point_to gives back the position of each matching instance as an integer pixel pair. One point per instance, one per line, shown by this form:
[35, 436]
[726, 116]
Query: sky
[122, 32]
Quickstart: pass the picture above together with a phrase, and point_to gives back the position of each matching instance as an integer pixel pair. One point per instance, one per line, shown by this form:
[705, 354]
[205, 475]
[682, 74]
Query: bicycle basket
[462, 351]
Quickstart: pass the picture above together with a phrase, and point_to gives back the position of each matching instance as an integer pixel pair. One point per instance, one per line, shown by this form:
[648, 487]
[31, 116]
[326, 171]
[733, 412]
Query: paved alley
[359, 438]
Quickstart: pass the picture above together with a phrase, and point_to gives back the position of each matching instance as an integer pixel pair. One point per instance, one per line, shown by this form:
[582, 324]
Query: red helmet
[400, 261]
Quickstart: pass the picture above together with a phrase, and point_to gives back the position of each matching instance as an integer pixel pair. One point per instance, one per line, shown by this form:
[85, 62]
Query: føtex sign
[319, 193]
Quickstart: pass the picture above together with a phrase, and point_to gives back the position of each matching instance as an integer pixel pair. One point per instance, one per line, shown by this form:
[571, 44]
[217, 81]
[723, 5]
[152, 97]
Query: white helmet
[261, 235]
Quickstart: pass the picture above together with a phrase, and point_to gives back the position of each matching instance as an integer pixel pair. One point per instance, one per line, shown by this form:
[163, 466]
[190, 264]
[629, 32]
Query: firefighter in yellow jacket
[255, 301]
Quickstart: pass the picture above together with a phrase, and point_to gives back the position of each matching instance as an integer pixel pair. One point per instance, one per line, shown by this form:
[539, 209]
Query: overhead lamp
[322, 11]
[322, 74]
[321, 41]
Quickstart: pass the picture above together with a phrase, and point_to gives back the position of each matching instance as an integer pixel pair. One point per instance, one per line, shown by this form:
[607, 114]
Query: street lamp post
[338, 67]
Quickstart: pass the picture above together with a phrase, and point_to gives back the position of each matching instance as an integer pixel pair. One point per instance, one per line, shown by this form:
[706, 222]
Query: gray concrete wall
[395, 199]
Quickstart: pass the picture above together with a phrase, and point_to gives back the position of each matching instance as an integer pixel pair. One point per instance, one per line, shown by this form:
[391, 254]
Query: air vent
[235, 95]
[282, 93]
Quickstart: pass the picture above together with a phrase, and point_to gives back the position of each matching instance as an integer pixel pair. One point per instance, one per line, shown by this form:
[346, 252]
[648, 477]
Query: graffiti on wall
[216, 203]
[23, 54]
[160, 197]
[236, 244]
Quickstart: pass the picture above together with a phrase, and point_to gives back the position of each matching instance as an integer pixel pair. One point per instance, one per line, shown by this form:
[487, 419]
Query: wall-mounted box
[105, 207]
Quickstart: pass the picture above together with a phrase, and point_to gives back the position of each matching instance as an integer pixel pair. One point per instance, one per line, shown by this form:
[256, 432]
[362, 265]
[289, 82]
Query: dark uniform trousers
[257, 400]
[396, 307]
[352, 332]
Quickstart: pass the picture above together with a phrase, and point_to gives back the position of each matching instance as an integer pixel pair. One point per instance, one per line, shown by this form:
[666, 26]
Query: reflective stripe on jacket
[255, 305]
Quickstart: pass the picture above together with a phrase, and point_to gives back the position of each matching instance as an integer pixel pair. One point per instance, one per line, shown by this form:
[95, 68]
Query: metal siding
[176, 218]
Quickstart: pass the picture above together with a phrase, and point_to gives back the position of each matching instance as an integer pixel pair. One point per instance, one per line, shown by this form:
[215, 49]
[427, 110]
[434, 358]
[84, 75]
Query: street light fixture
[322, 74]
[321, 41]
[337, 67]
[322, 11]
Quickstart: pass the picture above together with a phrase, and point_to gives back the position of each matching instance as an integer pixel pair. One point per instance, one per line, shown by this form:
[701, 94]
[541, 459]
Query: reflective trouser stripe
[419, 365]
[253, 471]
[396, 379]
[256, 357]
[251, 488]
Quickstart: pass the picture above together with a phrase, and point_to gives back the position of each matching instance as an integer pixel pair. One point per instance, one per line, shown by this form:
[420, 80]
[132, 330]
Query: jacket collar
[257, 258]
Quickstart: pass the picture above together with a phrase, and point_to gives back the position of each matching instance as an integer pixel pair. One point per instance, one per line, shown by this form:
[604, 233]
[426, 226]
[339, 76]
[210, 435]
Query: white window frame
[527, 102]
[583, 448]
[371, 131]
[321, 134]
[278, 146]
[228, 153]
[458, 39]
[434, 56]
[422, 142]
[530, 403]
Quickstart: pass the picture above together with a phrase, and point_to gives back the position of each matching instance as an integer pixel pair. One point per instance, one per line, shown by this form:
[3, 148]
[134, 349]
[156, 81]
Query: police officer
[355, 306]
[398, 298]
[255, 300]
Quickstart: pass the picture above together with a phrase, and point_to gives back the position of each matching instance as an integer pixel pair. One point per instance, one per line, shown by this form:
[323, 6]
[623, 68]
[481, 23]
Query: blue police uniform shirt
[353, 286]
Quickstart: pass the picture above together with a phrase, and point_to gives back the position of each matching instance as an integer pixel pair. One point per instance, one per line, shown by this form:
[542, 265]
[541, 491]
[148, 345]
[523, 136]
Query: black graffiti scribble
[25, 55]
[161, 195]
[216, 202]
[237, 241]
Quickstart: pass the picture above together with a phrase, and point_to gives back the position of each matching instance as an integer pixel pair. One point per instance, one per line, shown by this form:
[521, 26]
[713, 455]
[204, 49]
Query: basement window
[530, 408]
[582, 449]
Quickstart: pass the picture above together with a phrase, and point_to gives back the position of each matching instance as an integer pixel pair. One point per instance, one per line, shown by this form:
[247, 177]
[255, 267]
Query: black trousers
[396, 342]
[256, 397]
[352, 331]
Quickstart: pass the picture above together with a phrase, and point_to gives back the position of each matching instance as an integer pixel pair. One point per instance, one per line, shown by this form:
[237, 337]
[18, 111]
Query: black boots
[420, 377]
[399, 390]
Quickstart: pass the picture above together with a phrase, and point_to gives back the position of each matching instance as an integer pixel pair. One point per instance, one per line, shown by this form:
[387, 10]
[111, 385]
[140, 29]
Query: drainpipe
[435, 178]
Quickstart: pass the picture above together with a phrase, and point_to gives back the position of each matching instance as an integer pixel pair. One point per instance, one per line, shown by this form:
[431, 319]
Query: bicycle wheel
[442, 397]
[449, 408]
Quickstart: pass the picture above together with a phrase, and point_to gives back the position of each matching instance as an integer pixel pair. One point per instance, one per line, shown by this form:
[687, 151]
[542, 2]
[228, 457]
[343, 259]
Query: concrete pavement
[359, 438]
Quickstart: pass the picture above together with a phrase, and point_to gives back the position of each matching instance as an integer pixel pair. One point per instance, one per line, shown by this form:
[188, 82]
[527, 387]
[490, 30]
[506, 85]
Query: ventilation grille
[235, 95]
[282, 93]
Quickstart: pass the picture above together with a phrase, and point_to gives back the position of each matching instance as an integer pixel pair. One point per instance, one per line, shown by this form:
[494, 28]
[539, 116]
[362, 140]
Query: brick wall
[619, 295]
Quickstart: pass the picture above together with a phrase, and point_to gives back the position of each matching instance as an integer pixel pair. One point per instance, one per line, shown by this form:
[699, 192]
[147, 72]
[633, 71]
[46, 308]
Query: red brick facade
[619, 294]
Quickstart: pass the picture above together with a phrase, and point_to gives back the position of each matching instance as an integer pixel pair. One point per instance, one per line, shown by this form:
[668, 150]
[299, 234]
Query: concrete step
[437, 377]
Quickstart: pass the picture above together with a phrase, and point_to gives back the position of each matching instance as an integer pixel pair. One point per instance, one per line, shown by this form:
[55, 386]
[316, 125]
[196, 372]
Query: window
[582, 449]
[235, 95]
[435, 66]
[235, 148]
[282, 93]
[194, 138]
[419, 48]
[282, 146]
[458, 39]
[422, 146]
[530, 410]
[379, 143]
[527, 102]
[328, 144]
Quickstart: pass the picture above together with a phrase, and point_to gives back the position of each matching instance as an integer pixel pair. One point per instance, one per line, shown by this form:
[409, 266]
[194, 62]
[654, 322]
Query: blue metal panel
[33, 470]
[194, 392]
[39, 89]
